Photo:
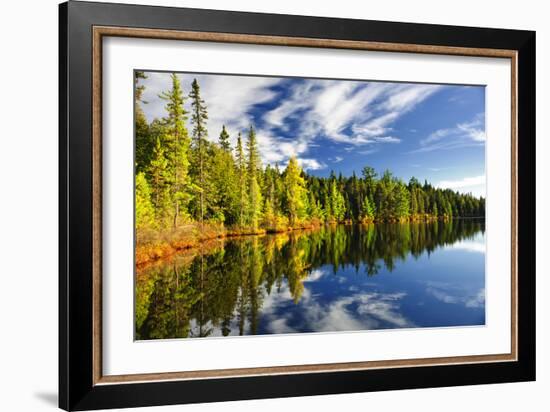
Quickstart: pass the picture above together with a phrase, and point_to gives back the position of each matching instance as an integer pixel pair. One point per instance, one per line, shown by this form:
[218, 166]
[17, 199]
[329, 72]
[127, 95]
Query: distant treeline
[182, 177]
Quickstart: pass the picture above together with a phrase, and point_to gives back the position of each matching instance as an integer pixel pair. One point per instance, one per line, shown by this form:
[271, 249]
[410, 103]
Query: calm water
[339, 278]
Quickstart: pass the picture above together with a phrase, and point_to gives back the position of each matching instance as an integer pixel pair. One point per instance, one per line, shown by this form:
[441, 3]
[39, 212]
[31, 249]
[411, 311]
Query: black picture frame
[77, 390]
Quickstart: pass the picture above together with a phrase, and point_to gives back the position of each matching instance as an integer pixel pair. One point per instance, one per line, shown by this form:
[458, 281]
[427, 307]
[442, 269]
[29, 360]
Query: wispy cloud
[456, 294]
[230, 99]
[354, 113]
[469, 246]
[360, 113]
[311, 164]
[475, 185]
[293, 115]
[367, 151]
[359, 311]
[470, 133]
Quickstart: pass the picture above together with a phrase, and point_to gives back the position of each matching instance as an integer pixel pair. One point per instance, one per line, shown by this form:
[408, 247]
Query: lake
[335, 278]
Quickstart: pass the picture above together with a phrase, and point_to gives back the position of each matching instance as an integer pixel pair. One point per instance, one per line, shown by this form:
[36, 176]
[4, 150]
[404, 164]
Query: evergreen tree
[414, 202]
[224, 140]
[242, 182]
[177, 143]
[145, 214]
[337, 203]
[367, 210]
[144, 139]
[160, 184]
[223, 187]
[198, 119]
[435, 211]
[295, 190]
[401, 201]
[255, 195]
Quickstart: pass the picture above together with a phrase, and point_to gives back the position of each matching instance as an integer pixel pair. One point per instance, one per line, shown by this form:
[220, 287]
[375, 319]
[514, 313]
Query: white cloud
[315, 275]
[352, 112]
[387, 139]
[311, 164]
[368, 151]
[229, 98]
[356, 113]
[477, 247]
[455, 294]
[370, 311]
[361, 113]
[336, 159]
[474, 185]
[470, 133]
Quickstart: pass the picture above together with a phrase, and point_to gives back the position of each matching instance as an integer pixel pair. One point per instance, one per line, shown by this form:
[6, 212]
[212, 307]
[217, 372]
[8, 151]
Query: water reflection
[332, 279]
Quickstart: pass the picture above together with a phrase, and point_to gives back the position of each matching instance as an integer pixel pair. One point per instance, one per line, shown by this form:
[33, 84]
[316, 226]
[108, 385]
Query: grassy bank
[152, 245]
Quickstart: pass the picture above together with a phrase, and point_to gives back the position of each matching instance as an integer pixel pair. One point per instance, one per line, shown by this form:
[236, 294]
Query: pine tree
[401, 201]
[144, 141]
[177, 143]
[224, 140]
[160, 183]
[145, 215]
[314, 211]
[435, 212]
[222, 186]
[337, 203]
[414, 202]
[198, 119]
[295, 191]
[243, 179]
[367, 210]
[255, 195]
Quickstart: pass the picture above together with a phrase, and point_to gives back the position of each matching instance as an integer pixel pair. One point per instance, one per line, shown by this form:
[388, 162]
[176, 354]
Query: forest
[189, 188]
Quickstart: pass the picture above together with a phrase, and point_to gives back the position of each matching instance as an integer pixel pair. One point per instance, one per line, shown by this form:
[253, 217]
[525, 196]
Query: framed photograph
[257, 205]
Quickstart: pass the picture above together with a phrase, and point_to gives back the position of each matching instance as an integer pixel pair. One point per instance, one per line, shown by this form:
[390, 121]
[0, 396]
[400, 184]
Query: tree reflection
[220, 290]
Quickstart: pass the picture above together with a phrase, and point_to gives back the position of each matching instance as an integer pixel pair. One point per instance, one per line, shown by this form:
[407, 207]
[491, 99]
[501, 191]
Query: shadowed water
[339, 278]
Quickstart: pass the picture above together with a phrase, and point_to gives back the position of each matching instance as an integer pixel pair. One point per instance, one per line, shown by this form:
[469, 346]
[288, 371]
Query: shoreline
[177, 242]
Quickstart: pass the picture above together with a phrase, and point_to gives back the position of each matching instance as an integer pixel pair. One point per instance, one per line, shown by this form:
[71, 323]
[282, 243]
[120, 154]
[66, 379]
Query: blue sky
[433, 132]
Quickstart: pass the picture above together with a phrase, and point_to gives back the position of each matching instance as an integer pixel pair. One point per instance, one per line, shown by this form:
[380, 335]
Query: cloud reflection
[456, 294]
[360, 311]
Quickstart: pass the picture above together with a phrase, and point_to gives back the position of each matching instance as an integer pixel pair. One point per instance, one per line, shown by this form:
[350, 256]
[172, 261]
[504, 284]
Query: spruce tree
[144, 139]
[199, 115]
[160, 183]
[176, 140]
[295, 190]
[255, 195]
[145, 214]
[367, 210]
[243, 179]
[224, 140]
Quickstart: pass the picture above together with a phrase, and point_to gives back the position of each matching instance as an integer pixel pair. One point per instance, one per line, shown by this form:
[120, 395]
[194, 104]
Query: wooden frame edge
[97, 174]
[98, 32]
